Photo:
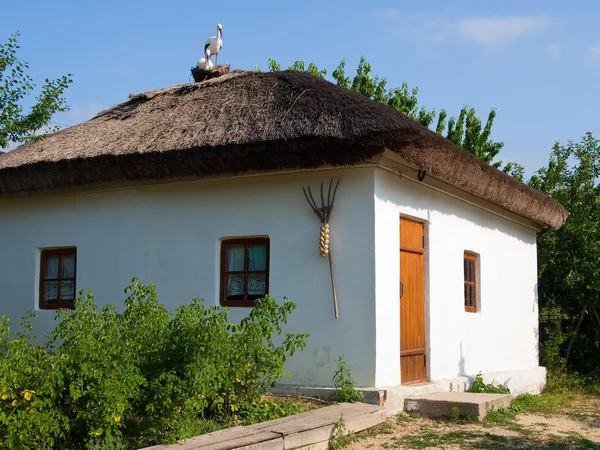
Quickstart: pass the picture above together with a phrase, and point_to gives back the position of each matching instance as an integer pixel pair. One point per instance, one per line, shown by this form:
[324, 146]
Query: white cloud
[555, 49]
[81, 113]
[498, 30]
[490, 31]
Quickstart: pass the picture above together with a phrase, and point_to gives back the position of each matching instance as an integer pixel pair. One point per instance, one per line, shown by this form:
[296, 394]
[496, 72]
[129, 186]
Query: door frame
[425, 224]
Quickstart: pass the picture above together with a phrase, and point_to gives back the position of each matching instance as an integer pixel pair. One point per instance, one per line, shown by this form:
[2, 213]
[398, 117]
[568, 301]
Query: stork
[205, 63]
[215, 43]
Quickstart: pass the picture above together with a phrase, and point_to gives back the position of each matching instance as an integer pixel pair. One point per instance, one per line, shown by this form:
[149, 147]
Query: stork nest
[203, 74]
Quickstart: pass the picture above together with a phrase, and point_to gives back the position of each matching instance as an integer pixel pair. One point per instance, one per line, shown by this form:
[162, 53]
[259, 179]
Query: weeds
[457, 417]
[344, 383]
[479, 386]
[340, 438]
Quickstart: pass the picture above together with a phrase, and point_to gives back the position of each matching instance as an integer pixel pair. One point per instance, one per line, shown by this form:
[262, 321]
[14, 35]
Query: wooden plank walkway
[311, 429]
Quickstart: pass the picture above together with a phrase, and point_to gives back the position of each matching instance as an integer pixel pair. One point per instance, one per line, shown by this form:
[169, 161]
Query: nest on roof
[203, 74]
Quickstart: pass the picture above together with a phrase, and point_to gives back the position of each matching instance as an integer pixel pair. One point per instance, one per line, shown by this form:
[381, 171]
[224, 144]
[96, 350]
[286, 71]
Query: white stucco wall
[169, 235]
[503, 335]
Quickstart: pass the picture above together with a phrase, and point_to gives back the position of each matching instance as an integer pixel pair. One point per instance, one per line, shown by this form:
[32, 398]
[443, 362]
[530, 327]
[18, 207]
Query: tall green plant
[344, 384]
[569, 258]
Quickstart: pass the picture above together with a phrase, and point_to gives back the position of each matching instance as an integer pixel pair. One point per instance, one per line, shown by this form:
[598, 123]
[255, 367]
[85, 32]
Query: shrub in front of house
[141, 376]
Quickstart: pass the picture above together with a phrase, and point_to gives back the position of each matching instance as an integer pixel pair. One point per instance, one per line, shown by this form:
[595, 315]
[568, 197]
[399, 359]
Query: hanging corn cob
[324, 240]
[323, 214]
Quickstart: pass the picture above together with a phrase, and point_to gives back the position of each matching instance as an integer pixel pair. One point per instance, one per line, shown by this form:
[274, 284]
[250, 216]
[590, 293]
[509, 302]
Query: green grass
[403, 417]
[434, 435]
[530, 404]
[340, 440]
[477, 440]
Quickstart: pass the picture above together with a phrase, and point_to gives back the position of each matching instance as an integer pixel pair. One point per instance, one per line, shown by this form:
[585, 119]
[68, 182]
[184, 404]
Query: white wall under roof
[503, 335]
[169, 235]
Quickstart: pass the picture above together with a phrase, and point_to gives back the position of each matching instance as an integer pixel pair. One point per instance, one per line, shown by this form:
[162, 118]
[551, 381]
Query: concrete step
[441, 404]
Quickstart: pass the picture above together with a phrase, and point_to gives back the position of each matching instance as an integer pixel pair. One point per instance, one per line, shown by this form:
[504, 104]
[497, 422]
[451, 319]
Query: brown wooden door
[412, 302]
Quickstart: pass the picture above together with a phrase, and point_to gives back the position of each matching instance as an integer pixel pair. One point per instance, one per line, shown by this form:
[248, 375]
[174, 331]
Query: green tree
[15, 86]
[569, 258]
[466, 131]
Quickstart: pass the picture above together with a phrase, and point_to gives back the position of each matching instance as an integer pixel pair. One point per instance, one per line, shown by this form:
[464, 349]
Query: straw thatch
[249, 121]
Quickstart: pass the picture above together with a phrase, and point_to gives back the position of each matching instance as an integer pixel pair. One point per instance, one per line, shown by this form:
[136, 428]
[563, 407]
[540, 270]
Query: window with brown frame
[470, 266]
[244, 271]
[58, 271]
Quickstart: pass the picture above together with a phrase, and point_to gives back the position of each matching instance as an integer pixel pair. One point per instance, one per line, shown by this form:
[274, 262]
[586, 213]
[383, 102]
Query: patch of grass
[341, 439]
[546, 403]
[386, 427]
[475, 440]
[501, 417]
[584, 443]
[402, 417]
[530, 404]
[435, 435]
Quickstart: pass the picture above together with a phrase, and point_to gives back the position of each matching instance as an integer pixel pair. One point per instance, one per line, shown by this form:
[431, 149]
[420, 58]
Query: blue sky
[536, 62]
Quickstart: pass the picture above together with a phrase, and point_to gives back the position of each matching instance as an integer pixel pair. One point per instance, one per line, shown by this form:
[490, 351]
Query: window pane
[235, 258]
[469, 269]
[235, 287]
[68, 266]
[469, 295]
[67, 291]
[52, 266]
[257, 286]
[465, 267]
[257, 257]
[50, 292]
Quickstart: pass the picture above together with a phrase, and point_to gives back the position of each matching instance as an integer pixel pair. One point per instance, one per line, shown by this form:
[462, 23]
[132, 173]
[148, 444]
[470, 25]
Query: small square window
[58, 273]
[470, 270]
[244, 271]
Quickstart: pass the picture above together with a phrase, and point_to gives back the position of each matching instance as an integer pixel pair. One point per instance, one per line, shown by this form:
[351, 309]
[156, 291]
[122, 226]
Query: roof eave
[392, 162]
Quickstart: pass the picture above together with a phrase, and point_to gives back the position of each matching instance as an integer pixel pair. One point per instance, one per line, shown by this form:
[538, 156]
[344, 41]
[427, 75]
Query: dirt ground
[565, 424]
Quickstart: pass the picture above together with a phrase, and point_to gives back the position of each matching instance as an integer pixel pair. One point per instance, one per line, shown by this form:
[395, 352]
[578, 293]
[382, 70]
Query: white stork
[215, 43]
[205, 63]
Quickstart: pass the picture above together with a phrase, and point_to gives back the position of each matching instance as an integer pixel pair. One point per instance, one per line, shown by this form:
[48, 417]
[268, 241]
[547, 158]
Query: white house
[198, 188]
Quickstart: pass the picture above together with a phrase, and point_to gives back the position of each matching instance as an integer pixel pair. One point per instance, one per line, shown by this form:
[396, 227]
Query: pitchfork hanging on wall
[324, 213]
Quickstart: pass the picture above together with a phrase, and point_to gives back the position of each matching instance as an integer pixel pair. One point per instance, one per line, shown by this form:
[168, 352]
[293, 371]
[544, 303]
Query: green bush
[111, 379]
[29, 397]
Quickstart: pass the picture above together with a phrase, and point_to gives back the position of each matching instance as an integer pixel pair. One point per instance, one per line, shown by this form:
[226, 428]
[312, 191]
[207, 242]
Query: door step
[448, 404]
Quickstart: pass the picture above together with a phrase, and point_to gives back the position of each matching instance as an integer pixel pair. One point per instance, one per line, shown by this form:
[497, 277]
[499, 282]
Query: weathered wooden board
[311, 429]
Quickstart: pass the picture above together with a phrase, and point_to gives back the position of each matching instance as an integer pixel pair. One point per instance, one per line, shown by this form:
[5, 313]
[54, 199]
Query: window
[244, 271]
[470, 264]
[57, 278]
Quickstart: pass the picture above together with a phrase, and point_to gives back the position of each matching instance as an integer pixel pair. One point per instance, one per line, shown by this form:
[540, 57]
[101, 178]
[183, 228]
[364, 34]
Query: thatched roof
[249, 121]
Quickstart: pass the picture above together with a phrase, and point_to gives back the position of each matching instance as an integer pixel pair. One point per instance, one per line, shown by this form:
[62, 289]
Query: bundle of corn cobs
[324, 240]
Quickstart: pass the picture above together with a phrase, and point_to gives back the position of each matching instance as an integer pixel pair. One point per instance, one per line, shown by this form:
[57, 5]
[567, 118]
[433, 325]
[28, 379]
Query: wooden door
[412, 302]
